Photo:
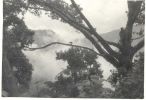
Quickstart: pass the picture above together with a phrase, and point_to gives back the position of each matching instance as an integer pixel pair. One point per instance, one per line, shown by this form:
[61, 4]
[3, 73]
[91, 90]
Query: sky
[104, 15]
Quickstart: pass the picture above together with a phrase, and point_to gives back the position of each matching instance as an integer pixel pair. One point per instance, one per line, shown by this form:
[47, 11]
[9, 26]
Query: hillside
[111, 36]
[42, 37]
[114, 35]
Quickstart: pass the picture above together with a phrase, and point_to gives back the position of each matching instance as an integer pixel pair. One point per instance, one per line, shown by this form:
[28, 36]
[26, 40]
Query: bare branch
[106, 56]
[59, 43]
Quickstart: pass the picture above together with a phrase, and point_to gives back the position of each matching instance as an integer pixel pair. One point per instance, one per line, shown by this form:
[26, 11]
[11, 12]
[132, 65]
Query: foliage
[132, 86]
[141, 16]
[67, 9]
[81, 78]
[80, 61]
[16, 37]
[21, 66]
[77, 58]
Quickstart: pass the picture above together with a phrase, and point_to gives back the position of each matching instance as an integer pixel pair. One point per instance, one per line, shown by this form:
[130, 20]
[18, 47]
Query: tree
[71, 14]
[80, 62]
[16, 67]
[82, 66]
[81, 76]
[132, 86]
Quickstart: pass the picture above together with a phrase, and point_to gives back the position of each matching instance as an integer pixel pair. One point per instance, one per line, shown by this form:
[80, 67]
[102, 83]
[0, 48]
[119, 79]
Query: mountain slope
[111, 36]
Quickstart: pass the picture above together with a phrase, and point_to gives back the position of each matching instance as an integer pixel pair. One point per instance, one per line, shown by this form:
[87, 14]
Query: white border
[33, 98]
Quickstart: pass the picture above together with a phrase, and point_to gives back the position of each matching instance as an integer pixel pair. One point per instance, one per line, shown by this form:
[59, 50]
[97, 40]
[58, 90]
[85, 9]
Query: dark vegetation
[16, 68]
[81, 78]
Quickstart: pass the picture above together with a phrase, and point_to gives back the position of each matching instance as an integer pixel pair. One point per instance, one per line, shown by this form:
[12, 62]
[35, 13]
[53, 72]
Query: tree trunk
[125, 61]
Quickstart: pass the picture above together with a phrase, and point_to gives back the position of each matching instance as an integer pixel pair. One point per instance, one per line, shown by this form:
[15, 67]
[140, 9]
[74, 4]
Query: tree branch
[113, 44]
[63, 16]
[82, 15]
[92, 31]
[80, 27]
[138, 46]
[85, 31]
[134, 9]
[66, 44]
[75, 25]
[109, 58]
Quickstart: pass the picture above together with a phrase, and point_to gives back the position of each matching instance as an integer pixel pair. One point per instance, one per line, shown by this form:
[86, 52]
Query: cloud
[46, 67]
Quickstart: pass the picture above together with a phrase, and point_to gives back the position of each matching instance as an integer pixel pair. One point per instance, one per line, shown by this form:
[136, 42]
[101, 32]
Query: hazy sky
[105, 16]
